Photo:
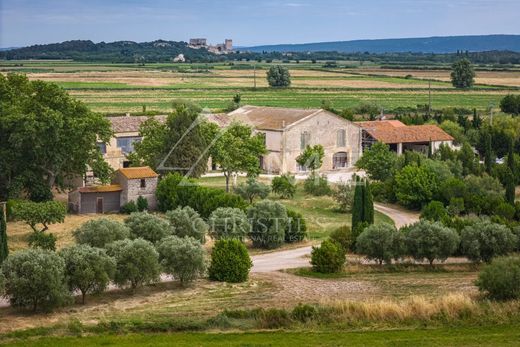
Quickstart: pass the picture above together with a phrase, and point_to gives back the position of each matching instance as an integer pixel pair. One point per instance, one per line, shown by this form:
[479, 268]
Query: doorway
[99, 205]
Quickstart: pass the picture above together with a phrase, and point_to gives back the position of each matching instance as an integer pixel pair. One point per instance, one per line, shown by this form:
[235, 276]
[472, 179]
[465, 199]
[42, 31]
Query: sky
[250, 22]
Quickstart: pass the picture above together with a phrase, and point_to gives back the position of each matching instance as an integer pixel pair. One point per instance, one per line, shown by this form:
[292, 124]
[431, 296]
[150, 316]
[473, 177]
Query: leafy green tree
[228, 223]
[39, 239]
[40, 145]
[501, 279]
[482, 194]
[312, 157]
[510, 104]
[344, 196]
[238, 150]
[251, 189]
[268, 223]
[486, 240]
[284, 186]
[100, 232]
[343, 237]
[415, 186]
[462, 74]
[328, 257]
[44, 213]
[434, 211]
[183, 258]
[137, 262]
[87, 269]
[148, 226]
[230, 262]
[381, 243]
[470, 163]
[4, 250]
[278, 76]
[151, 149]
[296, 228]
[455, 130]
[187, 222]
[431, 241]
[35, 278]
[317, 185]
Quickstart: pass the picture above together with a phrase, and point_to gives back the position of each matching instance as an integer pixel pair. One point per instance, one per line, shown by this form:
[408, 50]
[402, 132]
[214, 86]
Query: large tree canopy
[47, 136]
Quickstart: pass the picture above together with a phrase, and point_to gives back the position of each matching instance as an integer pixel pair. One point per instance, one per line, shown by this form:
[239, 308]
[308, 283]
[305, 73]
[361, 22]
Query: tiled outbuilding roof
[131, 124]
[393, 131]
[138, 172]
[101, 189]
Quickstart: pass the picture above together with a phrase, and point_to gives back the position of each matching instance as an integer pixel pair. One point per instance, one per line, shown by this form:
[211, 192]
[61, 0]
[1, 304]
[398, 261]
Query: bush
[100, 232]
[268, 223]
[87, 269]
[228, 223]
[343, 237]
[129, 207]
[252, 189]
[381, 243]
[148, 226]
[42, 240]
[304, 313]
[344, 196]
[505, 210]
[501, 279]
[230, 262]
[182, 257]
[137, 262]
[35, 278]
[431, 241]
[434, 212]
[187, 222]
[316, 185]
[328, 257]
[142, 204]
[484, 241]
[284, 186]
[296, 228]
[274, 318]
[2, 284]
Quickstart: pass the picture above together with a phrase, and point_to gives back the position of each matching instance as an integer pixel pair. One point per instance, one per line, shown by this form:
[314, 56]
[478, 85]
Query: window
[301, 168]
[126, 143]
[305, 139]
[340, 160]
[102, 147]
[341, 138]
[143, 183]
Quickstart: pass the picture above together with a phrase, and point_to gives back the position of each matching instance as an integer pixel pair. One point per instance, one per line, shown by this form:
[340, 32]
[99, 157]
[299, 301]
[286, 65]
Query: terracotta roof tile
[138, 172]
[394, 131]
[130, 124]
[101, 189]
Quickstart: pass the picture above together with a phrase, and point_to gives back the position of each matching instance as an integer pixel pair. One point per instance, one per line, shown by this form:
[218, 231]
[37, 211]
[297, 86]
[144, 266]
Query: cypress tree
[357, 206]
[488, 157]
[368, 204]
[476, 119]
[4, 251]
[510, 187]
[430, 149]
[511, 156]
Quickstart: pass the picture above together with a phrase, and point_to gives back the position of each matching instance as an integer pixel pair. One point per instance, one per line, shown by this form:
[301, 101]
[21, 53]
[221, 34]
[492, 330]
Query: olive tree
[187, 222]
[431, 241]
[252, 189]
[380, 243]
[501, 279]
[268, 222]
[228, 223]
[100, 232]
[137, 262]
[486, 240]
[35, 278]
[284, 186]
[87, 269]
[44, 213]
[148, 226]
[182, 257]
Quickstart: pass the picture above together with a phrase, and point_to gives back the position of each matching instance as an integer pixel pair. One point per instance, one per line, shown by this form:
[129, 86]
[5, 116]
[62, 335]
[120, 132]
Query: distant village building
[128, 185]
[219, 48]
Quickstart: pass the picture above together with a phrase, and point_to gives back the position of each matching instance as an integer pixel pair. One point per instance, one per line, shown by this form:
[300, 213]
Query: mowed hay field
[116, 88]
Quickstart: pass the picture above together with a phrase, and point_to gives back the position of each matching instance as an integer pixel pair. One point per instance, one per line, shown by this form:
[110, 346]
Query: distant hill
[7, 48]
[448, 44]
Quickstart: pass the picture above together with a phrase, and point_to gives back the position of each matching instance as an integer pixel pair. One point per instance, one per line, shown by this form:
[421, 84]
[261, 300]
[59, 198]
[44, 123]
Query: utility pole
[429, 97]
[254, 76]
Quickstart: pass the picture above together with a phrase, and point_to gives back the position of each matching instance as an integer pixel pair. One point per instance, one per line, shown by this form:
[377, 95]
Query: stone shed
[95, 199]
[135, 182]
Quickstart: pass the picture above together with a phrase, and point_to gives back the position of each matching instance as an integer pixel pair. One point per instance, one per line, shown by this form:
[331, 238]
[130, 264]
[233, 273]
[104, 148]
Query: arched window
[340, 160]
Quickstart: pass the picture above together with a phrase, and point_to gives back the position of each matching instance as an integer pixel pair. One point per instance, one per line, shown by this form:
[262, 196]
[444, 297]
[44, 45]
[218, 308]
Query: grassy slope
[505, 335]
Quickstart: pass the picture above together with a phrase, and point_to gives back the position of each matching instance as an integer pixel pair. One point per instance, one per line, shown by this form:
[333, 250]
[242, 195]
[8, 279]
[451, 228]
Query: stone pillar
[399, 148]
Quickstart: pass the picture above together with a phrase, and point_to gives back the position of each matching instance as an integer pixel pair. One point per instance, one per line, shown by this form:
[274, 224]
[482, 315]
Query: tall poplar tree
[4, 250]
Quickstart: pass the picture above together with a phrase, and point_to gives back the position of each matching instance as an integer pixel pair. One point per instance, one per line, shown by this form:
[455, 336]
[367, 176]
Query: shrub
[182, 257]
[148, 226]
[35, 278]
[501, 279]
[344, 196]
[304, 313]
[228, 223]
[187, 222]
[505, 210]
[343, 237]
[284, 186]
[484, 241]
[142, 204]
[274, 318]
[230, 262]
[87, 269]
[268, 223]
[434, 212]
[328, 257]
[42, 240]
[2, 284]
[100, 232]
[296, 228]
[129, 207]
[456, 206]
[137, 262]
[252, 189]
[316, 185]
[380, 243]
[431, 241]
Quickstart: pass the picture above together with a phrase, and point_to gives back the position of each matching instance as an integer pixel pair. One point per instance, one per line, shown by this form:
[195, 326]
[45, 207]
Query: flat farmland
[112, 88]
